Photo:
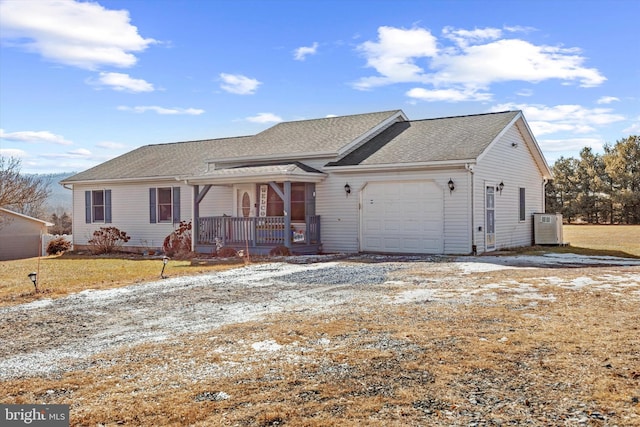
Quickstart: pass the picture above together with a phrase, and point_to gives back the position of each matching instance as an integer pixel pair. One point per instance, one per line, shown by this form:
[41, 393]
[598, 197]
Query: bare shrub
[227, 252]
[178, 243]
[107, 240]
[58, 245]
[280, 251]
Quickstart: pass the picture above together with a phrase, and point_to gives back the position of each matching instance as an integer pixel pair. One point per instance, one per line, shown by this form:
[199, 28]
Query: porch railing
[256, 231]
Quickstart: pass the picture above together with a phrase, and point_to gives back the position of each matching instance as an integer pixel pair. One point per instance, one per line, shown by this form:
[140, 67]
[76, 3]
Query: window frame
[103, 208]
[155, 206]
[164, 209]
[97, 207]
[522, 211]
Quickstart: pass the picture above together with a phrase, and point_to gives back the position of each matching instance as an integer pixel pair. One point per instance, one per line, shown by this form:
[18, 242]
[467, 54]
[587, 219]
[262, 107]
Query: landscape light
[34, 278]
[165, 260]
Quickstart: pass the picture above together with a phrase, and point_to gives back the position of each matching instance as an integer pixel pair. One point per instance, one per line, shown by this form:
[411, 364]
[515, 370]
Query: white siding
[340, 214]
[218, 201]
[516, 168]
[130, 213]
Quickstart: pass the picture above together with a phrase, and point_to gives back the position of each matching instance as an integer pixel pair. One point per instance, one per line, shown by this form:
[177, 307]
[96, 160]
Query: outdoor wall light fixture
[165, 260]
[500, 187]
[347, 189]
[451, 185]
[34, 278]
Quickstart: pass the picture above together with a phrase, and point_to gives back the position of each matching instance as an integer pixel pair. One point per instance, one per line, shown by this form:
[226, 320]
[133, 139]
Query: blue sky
[82, 82]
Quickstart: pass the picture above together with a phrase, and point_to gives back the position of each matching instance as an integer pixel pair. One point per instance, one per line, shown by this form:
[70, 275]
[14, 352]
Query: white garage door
[402, 217]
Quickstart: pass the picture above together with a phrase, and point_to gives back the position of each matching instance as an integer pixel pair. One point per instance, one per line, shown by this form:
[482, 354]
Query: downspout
[545, 181]
[474, 248]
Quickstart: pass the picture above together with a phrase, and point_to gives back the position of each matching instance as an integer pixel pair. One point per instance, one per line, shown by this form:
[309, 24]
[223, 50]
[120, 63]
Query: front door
[490, 214]
[245, 201]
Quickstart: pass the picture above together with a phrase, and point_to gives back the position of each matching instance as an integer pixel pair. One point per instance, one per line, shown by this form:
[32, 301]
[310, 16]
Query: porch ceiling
[248, 174]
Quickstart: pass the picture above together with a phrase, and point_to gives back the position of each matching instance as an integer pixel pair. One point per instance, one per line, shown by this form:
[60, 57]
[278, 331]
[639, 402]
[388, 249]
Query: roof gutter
[272, 157]
[119, 180]
[442, 164]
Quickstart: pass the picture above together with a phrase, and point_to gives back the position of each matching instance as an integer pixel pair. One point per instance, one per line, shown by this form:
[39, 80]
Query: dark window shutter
[107, 206]
[152, 205]
[176, 205]
[87, 207]
[522, 205]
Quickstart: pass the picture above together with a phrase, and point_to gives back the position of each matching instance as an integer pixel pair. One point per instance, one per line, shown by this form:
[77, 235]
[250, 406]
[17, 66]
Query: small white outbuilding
[20, 235]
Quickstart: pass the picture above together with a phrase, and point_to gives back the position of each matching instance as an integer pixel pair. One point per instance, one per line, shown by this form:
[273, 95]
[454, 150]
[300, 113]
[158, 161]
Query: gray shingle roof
[430, 140]
[286, 140]
[158, 160]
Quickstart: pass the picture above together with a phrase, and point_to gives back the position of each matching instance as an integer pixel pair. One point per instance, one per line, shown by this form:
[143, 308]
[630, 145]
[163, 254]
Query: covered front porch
[271, 206]
[258, 235]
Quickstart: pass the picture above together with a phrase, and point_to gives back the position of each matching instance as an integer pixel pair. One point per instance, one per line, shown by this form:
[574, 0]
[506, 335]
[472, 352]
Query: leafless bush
[107, 240]
[58, 245]
[179, 241]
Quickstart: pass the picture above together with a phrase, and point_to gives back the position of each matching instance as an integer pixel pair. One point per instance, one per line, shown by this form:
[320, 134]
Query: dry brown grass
[571, 361]
[63, 275]
[619, 239]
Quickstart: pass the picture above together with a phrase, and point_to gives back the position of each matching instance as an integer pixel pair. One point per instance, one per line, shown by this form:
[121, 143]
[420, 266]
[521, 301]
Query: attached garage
[402, 217]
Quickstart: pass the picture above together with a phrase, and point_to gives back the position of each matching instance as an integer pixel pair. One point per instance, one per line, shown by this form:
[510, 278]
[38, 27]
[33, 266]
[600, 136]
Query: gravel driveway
[48, 337]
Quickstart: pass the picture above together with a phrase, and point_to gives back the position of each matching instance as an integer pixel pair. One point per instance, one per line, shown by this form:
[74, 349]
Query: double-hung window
[97, 206]
[164, 205]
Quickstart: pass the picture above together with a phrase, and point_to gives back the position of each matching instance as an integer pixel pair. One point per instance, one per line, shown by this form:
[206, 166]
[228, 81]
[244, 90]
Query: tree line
[598, 188]
[27, 194]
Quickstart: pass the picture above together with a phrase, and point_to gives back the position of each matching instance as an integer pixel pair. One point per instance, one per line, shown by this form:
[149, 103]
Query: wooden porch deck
[257, 234]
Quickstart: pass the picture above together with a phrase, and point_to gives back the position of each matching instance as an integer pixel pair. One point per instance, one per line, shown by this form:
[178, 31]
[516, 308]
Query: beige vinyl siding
[20, 237]
[341, 216]
[516, 168]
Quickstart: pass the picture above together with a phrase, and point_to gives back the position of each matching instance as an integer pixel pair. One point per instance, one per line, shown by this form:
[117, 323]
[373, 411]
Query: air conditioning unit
[547, 229]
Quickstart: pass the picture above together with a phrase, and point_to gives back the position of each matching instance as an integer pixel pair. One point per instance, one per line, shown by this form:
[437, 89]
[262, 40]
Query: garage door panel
[403, 217]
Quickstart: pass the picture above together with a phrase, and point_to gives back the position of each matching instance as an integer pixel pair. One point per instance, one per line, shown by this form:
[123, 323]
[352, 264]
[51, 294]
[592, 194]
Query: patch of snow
[480, 267]
[268, 345]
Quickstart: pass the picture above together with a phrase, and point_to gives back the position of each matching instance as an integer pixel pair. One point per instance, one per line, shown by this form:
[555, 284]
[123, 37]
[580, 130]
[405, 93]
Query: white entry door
[402, 217]
[490, 214]
[245, 204]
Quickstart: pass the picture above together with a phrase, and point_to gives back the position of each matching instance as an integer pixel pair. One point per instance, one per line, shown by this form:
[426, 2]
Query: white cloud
[162, 110]
[80, 34]
[563, 118]
[570, 144]
[393, 55]
[448, 95]
[465, 37]
[13, 152]
[80, 153]
[634, 129]
[34, 137]
[607, 100]
[264, 118]
[513, 59]
[122, 82]
[239, 84]
[300, 54]
[477, 59]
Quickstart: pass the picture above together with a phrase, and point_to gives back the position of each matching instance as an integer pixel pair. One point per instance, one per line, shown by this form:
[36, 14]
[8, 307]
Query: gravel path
[48, 337]
[44, 336]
